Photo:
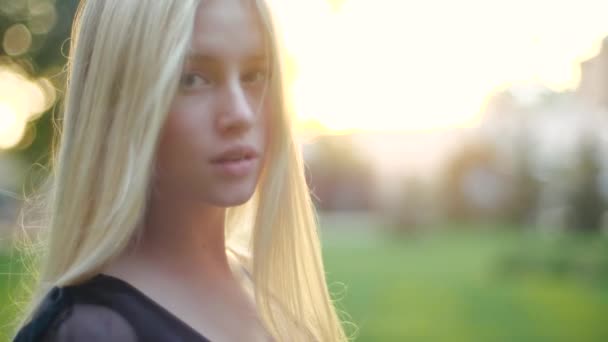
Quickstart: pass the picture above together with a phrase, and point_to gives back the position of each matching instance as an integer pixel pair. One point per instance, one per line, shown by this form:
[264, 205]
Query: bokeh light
[12, 7]
[27, 138]
[17, 40]
[22, 100]
[43, 16]
[12, 126]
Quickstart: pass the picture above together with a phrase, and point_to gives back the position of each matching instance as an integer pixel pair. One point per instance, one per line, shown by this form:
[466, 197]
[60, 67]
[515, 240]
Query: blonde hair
[124, 66]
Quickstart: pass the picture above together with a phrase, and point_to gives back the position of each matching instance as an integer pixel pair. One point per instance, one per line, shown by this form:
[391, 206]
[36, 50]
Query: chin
[233, 197]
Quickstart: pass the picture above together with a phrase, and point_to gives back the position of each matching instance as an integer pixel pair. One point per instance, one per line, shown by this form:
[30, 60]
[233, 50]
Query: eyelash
[185, 77]
[248, 78]
[263, 73]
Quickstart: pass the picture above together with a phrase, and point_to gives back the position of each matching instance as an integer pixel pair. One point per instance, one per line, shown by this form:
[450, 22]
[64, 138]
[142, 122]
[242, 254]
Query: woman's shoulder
[73, 313]
[103, 308]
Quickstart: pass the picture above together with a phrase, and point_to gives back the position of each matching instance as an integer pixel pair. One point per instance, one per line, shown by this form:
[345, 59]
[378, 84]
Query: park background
[457, 152]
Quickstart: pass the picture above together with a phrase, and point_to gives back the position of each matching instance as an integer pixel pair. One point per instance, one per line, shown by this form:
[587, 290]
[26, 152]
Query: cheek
[170, 147]
[173, 133]
[182, 118]
[188, 121]
[180, 141]
[181, 156]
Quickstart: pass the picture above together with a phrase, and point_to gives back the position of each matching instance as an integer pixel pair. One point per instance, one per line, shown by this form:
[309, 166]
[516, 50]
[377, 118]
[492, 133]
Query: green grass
[10, 281]
[458, 286]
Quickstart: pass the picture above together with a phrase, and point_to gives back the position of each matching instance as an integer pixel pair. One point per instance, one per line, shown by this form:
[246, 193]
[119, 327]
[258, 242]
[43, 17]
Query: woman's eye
[193, 81]
[255, 77]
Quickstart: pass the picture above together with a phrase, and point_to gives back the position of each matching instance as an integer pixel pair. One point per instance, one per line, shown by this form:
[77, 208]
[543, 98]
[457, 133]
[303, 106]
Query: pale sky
[427, 65]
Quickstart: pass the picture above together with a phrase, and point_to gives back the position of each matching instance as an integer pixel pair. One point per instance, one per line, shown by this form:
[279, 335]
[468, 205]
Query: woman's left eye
[255, 76]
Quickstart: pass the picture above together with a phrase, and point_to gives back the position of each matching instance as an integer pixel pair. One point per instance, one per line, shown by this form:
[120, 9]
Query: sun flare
[382, 65]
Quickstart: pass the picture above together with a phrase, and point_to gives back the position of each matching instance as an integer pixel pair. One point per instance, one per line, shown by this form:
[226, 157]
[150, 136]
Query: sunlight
[21, 101]
[12, 127]
[392, 65]
[398, 65]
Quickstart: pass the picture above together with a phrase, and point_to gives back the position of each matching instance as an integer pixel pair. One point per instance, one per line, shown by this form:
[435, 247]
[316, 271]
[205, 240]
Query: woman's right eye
[191, 81]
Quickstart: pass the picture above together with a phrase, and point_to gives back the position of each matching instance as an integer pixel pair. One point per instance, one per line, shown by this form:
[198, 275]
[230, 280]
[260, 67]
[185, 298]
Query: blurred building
[594, 78]
[561, 138]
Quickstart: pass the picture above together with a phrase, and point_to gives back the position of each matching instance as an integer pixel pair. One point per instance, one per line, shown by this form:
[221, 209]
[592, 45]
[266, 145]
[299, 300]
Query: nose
[235, 114]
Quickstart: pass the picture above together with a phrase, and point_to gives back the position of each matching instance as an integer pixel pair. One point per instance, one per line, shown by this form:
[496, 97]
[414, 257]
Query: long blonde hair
[123, 69]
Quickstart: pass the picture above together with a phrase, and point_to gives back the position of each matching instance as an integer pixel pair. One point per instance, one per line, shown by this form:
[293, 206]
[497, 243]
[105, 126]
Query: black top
[104, 308]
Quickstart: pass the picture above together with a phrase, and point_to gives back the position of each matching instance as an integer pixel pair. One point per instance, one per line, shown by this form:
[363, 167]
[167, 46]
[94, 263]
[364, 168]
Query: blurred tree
[339, 178]
[586, 200]
[416, 208]
[475, 184]
[526, 188]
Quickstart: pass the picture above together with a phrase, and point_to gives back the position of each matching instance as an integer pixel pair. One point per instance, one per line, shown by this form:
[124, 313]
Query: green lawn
[471, 286]
[461, 286]
[9, 283]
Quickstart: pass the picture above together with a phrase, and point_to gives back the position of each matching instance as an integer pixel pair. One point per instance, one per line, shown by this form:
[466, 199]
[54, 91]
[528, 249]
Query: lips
[236, 162]
[237, 153]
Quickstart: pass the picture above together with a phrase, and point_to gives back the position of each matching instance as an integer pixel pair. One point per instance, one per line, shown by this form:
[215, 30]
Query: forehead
[227, 29]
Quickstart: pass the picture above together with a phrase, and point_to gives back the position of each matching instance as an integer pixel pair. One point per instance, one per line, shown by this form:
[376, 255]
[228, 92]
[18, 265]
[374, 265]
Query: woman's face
[214, 139]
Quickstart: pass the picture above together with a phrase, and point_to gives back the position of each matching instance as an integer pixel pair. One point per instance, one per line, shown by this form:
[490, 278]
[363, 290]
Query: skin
[181, 261]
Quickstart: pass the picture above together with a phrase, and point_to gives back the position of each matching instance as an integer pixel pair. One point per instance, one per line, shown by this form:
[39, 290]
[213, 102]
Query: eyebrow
[209, 59]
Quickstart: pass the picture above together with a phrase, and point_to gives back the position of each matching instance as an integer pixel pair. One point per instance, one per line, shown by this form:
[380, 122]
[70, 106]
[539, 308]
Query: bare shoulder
[88, 322]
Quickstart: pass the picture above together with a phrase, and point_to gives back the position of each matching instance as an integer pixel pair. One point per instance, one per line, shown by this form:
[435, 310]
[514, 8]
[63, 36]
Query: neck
[179, 236]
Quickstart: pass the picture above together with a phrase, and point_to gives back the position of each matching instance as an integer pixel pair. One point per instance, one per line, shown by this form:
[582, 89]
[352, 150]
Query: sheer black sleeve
[86, 322]
[104, 308]
[60, 319]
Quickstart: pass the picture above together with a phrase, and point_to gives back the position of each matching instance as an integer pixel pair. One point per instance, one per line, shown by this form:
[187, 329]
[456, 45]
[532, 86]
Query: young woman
[178, 208]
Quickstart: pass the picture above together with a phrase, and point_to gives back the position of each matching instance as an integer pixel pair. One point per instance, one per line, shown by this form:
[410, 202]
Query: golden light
[28, 137]
[28, 98]
[399, 65]
[12, 127]
[21, 100]
[44, 97]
